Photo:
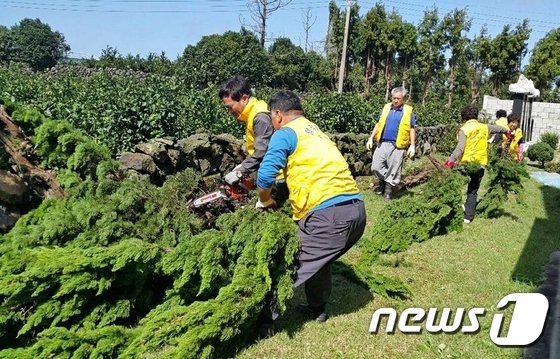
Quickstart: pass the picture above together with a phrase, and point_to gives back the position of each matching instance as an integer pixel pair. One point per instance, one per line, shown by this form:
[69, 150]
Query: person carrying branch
[472, 148]
[395, 135]
[325, 200]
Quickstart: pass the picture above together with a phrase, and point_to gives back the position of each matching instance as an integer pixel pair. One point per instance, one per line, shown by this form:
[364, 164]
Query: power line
[161, 6]
[480, 19]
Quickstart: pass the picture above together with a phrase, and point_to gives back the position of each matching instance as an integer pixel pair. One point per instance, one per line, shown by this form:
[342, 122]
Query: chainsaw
[226, 191]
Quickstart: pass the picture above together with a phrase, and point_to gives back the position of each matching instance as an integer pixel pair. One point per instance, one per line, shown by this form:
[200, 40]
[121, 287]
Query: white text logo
[526, 324]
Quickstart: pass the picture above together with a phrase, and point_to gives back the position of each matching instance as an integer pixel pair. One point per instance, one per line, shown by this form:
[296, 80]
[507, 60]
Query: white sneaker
[467, 221]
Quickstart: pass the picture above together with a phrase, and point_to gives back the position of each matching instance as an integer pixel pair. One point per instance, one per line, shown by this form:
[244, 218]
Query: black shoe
[380, 188]
[266, 330]
[318, 314]
[388, 192]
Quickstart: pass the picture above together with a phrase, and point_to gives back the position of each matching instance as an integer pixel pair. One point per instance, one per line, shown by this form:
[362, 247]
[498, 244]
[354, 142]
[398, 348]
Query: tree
[289, 65]
[294, 69]
[407, 48]
[391, 40]
[506, 52]
[479, 54]
[35, 44]
[319, 76]
[260, 12]
[540, 152]
[308, 21]
[544, 66]
[335, 37]
[454, 24]
[215, 58]
[368, 44]
[5, 44]
[430, 59]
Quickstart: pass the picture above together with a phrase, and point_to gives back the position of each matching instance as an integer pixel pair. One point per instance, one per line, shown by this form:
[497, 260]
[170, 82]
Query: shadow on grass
[503, 213]
[543, 240]
[349, 294]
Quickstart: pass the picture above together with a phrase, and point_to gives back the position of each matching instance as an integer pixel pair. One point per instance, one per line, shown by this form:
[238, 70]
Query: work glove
[271, 203]
[234, 176]
[510, 134]
[449, 163]
[411, 151]
[369, 144]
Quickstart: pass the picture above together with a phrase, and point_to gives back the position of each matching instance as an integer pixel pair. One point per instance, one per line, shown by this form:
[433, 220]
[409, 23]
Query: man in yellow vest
[395, 135]
[515, 148]
[325, 200]
[237, 96]
[472, 147]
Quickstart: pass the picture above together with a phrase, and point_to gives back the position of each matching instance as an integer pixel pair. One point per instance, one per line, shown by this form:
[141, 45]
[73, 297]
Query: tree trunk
[367, 83]
[475, 85]
[263, 24]
[43, 182]
[451, 90]
[388, 75]
[427, 83]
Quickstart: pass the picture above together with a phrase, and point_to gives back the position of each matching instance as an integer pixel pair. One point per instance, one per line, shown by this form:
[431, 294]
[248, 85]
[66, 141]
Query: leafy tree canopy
[544, 66]
[35, 44]
[216, 58]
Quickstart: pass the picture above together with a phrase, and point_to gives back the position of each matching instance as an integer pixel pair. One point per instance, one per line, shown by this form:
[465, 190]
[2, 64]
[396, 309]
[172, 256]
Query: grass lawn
[475, 268]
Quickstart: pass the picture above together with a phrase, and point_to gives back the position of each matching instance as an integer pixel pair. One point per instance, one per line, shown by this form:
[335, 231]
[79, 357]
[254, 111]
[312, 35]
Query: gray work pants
[387, 163]
[325, 235]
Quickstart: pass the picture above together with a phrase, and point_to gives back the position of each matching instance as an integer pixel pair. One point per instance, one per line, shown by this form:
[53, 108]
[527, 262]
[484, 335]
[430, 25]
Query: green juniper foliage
[113, 254]
[505, 176]
[434, 210]
[122, 268]
[28, 119]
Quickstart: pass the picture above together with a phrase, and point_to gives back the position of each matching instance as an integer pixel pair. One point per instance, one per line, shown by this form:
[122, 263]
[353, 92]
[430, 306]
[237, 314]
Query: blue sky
[141, 27]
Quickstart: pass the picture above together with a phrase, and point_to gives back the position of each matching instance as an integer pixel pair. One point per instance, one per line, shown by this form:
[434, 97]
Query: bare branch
[308, 20]
[260, 11]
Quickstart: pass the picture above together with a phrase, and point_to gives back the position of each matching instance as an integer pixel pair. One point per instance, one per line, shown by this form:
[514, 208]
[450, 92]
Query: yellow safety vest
[403, 135]
[502, 121]
[316, 171]
[476, 147]
[253, 108]
[512, 151]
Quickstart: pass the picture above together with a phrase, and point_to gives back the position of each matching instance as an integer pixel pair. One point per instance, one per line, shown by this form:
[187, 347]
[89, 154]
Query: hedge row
[121, 111]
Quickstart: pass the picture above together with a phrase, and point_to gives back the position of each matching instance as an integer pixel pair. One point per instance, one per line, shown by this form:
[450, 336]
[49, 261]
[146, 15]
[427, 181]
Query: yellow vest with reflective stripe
[316, 170]
[512, 150]
[253, 108]
[476, 146]
[403, 135]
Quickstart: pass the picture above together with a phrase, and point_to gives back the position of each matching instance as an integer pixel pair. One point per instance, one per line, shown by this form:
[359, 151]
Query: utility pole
[342, 70]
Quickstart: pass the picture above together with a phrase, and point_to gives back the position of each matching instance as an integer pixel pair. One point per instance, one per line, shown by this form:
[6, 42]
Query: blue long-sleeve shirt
[282, 144]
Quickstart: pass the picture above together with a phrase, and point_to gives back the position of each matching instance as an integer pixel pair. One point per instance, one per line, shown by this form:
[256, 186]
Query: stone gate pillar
[524, 92]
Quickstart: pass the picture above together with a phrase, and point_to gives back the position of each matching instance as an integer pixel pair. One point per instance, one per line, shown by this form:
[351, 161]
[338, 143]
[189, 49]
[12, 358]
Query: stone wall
[545, 116]
[207, 154]
[211, 155]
